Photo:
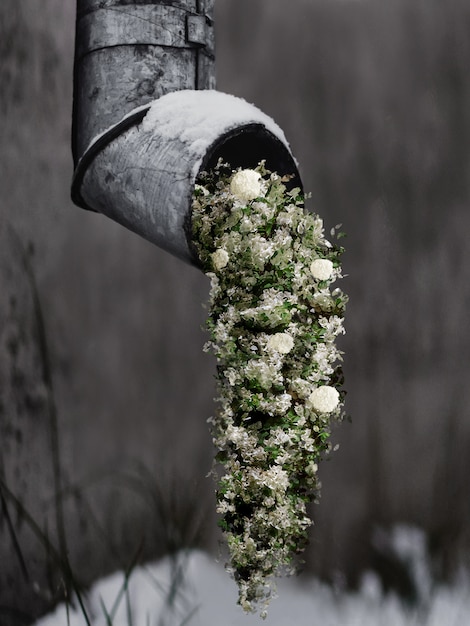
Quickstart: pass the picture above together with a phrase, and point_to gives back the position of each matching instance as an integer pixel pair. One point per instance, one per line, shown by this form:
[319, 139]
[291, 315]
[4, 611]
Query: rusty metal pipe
[147, 119]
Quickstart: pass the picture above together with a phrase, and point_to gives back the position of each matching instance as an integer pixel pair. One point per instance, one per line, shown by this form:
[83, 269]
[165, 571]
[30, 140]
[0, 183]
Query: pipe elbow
[142, 171]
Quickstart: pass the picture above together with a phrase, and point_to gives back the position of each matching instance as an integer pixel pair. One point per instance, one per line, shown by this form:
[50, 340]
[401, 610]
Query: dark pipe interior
[247, 146]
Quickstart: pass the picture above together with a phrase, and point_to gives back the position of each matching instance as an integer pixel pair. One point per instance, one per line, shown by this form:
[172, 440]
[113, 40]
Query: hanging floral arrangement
[273, 321]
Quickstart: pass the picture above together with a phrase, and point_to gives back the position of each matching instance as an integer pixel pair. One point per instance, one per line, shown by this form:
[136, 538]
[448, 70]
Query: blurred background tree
[374, 97]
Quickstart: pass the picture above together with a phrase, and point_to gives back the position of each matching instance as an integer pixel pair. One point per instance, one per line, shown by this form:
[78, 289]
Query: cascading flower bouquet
[273, 322]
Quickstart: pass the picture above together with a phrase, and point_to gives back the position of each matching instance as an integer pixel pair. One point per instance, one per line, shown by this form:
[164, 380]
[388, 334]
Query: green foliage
[273, 322]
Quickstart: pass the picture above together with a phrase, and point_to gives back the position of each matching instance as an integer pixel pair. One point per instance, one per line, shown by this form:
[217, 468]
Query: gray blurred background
[104, 389]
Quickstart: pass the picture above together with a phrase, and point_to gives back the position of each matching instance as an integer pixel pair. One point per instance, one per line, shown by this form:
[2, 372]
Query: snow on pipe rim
[142, 171]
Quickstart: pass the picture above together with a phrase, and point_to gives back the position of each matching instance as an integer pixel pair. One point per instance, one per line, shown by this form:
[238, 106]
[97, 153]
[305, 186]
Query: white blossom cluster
[274, 319]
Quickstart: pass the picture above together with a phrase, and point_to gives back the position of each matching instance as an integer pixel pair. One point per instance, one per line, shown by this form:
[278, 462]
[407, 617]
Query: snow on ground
[193, 589]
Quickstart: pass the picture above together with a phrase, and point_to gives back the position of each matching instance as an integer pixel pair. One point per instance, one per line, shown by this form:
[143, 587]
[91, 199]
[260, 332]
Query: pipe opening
[247, 146]
[142, 171]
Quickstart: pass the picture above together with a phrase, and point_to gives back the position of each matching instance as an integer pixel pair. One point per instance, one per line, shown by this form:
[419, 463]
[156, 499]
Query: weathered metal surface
[205, 76]
[144, 177]
[130, 52]
[197, 29]
[143, 74]
[149, 24]
[85, 6]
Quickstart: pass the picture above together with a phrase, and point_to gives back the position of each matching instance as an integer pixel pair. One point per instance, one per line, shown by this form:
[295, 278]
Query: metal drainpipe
[147, 118]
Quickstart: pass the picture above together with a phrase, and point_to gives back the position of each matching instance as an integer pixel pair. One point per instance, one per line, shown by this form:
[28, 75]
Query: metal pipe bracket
[200, 31]
[143, 24]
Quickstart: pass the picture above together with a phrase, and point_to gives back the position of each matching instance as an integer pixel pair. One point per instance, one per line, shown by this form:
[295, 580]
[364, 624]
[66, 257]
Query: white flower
[276, 479]
[311, 469]
[246, 225]
[324, 399]
[266, 374]
[321, 269]
[263, 209]
[281, 342]
[261, 249]
[278, 437]
[246, 185]
[225, 507]
[231, 375]
[280, 405]
[302, 388]
[201, 188]
[220, 258]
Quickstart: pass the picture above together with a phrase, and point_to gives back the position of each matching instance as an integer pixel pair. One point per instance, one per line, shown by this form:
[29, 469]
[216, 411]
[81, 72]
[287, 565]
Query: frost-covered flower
[321, 269]
[246, 185]
[281, 342]
[220, 258]
[324, 399]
